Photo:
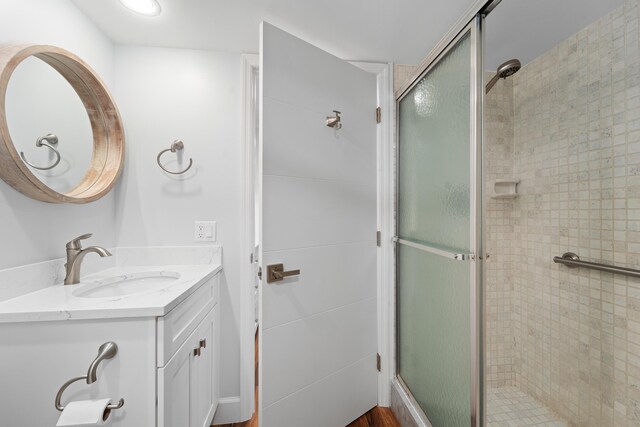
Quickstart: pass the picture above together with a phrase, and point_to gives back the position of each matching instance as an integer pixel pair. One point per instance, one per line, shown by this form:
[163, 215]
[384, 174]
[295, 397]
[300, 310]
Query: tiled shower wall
[498, 223]
[402, 73]
[573, 341]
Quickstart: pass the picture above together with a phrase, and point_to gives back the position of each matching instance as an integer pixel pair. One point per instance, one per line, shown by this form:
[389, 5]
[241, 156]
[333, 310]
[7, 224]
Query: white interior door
[318, 339]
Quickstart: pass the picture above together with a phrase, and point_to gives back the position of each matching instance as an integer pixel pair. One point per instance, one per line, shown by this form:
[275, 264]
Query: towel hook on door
[175, 147]
[334, 121]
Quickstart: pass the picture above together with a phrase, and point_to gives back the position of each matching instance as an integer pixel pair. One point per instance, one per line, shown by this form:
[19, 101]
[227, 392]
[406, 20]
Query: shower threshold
[510, 407]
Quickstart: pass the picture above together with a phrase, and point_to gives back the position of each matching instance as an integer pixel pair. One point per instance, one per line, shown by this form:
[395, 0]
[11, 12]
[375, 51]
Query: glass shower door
[437, 226]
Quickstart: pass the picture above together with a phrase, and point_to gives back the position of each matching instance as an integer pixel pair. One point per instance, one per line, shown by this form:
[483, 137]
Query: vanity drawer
[174, 328]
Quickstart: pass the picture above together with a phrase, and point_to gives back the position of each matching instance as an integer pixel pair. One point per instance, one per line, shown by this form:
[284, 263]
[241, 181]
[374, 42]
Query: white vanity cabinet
[188, 360]
[187, 384]
[166, 368]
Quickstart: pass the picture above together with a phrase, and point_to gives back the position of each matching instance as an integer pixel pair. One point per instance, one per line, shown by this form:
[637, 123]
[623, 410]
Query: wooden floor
[377, 417]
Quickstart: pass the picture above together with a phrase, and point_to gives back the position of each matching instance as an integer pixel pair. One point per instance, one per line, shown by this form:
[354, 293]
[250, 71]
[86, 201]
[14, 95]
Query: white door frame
[250, 63]
[386, 224]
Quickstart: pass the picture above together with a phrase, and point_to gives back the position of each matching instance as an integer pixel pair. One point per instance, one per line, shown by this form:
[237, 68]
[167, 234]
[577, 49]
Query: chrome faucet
[75, 254]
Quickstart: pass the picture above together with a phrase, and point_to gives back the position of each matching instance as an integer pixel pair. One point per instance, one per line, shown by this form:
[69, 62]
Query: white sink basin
[127, 285]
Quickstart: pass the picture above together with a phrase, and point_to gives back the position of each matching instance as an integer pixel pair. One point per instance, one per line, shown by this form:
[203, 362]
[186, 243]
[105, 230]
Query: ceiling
[402, 31]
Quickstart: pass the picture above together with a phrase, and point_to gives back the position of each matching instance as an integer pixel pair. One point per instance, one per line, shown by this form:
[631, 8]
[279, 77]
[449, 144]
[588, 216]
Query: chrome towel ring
[175, 147]
[51, 140]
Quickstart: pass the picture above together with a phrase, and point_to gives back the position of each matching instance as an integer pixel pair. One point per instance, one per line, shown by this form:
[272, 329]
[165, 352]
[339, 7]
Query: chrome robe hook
[334, 121]
[175, 147]
[51, 140]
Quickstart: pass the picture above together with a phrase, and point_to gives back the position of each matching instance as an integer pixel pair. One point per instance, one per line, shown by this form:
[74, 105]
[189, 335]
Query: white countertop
[60, 302]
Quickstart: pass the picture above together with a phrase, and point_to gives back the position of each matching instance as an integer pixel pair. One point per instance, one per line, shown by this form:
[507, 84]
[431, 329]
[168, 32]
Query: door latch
[276, 273]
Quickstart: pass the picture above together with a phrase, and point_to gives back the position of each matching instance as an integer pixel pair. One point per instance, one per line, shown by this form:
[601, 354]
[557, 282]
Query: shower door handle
[436, 251]
[276, 273]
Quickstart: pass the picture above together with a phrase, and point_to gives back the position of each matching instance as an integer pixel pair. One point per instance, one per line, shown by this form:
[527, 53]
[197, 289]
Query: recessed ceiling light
[143, 7]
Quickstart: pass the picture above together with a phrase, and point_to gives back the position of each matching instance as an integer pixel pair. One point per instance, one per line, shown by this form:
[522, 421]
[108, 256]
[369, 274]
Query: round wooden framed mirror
[86, 150]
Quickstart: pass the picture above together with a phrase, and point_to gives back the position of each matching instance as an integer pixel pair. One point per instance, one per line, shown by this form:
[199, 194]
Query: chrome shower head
[509, 68]
[506, 69]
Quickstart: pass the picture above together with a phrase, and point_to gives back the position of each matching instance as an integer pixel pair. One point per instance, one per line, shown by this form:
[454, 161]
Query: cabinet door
[173, 389]
[203, 370]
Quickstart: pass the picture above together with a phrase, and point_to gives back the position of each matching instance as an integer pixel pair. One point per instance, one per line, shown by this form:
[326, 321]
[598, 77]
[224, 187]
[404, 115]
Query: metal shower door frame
[476, 362]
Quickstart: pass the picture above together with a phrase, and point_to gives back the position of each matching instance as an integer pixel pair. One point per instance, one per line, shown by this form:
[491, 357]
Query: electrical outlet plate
[205, 231]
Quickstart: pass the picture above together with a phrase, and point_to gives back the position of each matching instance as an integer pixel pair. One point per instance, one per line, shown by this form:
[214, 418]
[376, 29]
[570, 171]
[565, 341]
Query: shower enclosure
[438, 242]
[490, 189]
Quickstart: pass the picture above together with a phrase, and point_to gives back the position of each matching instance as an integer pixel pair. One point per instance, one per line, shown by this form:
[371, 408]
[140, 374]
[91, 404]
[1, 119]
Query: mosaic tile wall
[576, 149]
[401, 73]
[498, 164]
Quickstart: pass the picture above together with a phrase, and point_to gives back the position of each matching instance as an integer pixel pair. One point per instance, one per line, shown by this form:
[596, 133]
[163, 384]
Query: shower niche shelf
[505, 189]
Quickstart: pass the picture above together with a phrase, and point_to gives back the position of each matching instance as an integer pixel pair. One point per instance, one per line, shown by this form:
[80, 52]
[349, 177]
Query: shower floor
[510, 407]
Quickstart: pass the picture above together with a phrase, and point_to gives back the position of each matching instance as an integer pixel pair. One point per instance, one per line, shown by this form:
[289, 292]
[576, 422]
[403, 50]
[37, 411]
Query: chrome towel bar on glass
[572, 260]
[175, 147]
[435, 251]
[51, 141]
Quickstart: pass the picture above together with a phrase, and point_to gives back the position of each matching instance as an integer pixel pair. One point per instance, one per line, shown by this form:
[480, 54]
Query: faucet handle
[75, 243]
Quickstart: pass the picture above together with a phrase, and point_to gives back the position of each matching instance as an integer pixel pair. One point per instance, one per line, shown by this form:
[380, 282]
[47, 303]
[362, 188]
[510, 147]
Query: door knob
[276, 273]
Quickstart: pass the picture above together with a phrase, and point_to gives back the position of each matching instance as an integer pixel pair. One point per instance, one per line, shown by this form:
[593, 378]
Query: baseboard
[228, 411]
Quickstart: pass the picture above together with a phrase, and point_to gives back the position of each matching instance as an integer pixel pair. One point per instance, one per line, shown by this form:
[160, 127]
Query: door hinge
[378, 238]
[378, 362]
[378, 115]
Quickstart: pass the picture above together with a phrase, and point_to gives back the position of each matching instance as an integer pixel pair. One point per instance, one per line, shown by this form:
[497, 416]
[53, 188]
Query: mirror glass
[42, 106]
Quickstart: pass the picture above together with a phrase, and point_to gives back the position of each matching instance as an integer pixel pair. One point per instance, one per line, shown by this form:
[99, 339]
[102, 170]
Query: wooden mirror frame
[108, 133]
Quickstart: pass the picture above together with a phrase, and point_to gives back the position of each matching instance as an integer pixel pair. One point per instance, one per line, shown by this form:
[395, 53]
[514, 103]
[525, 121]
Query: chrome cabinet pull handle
[51, 141]
[276, 273]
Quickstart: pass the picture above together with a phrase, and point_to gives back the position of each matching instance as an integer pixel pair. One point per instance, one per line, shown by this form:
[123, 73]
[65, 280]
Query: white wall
[163, 94]
[167, 94]
[33, 231]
